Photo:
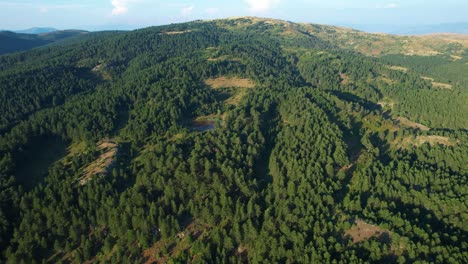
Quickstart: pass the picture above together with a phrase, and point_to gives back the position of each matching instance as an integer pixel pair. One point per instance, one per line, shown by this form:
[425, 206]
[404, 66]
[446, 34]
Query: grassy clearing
[344, 78]
[427, 78]
[168, 248]
[385, 79]
[387, 103]
[225, 58]
[237, 97]
[229, 82]
[362, 231]
[411, 141]
[235, 87]
[433, 140]
[378, 123]
[406, 122]
[440, 39]
[437, 84]
[74, 149]
[100, 70]
[175, 32]
[398, 68]
[102, 163]
[441, 85]
[214, 54]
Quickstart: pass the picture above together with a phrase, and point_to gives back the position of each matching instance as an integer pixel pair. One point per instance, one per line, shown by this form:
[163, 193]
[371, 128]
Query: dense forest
[230, 141]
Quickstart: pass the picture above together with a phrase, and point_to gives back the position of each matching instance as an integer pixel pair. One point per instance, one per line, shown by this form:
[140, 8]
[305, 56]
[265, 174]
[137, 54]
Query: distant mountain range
[13, 41]
[36, 30]
[459, 28]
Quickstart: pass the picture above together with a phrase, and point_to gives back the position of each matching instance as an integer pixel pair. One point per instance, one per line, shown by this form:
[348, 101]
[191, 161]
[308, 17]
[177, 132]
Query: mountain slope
[237, 140]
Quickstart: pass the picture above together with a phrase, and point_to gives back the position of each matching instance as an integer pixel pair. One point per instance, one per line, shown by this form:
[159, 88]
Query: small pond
[203, 125]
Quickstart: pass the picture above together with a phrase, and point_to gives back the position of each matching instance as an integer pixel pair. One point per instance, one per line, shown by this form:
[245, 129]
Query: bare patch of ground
[354, 159]
[433, 140]
[102, 163]
[410, 141]
[441, 85]
[240, 87]
[398, 68]
[427, 78]
[164, 249]
[344, 78]
[224, 58]
[385, 104]
[385, 79]
[154, 253]
[361, 231]
[406, 122]
[437, 84]
[100, 70]
[229, 82]
[175, 32]
[98, 67]
[435, 39]
[235, 100]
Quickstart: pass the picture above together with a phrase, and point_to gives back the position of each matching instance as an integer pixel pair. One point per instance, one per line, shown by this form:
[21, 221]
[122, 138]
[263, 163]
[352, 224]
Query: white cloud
[261, 5]
[120, 7]
[187, 10]
[43, 9]
[212, 10]
[388, 6]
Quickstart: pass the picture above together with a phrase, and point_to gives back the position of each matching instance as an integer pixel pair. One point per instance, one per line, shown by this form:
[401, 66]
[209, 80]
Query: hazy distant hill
[36, 30]
[459, 28]
[13, 42]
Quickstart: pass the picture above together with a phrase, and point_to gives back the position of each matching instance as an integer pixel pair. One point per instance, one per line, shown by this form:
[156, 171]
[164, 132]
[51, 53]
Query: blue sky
[128, 14]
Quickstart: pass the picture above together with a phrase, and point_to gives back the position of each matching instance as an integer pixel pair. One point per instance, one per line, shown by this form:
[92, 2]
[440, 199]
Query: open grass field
[229, 82]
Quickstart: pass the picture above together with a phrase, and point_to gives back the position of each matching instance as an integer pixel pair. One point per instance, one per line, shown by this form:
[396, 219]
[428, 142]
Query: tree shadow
[33, 160]
[345, 96]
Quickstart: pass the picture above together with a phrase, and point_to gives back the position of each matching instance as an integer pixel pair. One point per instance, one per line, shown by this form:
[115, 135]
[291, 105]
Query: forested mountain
[13, 42]
[240, 140]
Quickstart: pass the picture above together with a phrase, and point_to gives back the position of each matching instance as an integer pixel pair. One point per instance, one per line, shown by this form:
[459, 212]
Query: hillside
[241, 140]
[13, 42]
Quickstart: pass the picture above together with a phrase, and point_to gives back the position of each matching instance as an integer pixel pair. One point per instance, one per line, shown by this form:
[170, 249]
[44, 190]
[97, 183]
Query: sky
[131, 14]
